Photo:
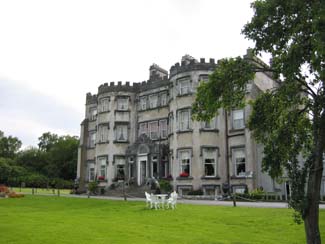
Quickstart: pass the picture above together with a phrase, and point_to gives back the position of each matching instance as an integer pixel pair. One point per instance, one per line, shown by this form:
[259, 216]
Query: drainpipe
[227, 148]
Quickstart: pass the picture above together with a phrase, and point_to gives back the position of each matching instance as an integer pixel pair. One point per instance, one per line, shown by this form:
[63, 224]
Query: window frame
[116, 132]
[163, 129]
[236, 163]
[204, 157]
[181, 162]
[180, 121]
[150, 131]
[119, 106]
[234, 124]
[102, 107]
[151, 100]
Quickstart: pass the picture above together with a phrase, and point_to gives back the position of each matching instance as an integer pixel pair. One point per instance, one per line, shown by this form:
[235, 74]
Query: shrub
[257, 194]
[15, 195]
[165, 186]
[4, 189]
[93, 187]
[198, 192]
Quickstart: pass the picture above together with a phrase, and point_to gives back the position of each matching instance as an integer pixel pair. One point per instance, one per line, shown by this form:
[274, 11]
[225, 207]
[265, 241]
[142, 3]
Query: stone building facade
[142, 130]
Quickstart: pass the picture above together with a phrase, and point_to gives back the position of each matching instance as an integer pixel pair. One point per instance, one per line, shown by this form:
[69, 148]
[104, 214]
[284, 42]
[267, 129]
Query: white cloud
[64, 49]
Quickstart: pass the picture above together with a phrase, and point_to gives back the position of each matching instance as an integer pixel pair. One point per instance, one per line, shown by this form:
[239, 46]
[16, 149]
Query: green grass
[40, 190]
[40, 219]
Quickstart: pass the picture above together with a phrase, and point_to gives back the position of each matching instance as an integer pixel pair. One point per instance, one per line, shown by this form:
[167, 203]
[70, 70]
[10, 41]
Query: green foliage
[225, 89]
[93, 187]
[165, 186]
[289, 120]
[9, 146]
[47, 141]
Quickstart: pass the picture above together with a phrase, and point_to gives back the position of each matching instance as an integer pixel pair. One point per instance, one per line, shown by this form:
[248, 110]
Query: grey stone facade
[135, 132]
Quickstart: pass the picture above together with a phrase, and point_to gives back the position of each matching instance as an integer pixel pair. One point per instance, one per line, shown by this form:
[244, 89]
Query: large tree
[290, 119]
[9, 146]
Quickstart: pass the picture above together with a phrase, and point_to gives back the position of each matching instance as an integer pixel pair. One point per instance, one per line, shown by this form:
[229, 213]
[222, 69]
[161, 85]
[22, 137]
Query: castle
[137, 131]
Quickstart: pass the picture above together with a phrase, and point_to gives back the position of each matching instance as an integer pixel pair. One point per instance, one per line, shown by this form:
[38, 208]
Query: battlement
[190, 64]
[91, 99]
[116, 87]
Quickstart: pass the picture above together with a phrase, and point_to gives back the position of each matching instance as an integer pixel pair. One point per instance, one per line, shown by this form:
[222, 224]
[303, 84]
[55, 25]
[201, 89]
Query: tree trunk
[311, 217]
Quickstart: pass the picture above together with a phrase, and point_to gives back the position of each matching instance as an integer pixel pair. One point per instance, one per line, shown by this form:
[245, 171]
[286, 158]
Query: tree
[63, 157]
[9, 146]
[47, 140]
[289, 120]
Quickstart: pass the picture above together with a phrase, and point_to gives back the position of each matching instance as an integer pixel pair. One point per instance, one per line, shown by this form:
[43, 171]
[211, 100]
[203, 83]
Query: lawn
[41, 219]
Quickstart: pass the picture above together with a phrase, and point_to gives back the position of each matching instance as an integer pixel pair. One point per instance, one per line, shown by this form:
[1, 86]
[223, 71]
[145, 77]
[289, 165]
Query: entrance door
[142, 169]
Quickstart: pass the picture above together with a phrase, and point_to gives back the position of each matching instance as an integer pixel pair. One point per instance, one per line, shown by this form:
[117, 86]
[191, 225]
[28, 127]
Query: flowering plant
[101, 177]
[184, 174]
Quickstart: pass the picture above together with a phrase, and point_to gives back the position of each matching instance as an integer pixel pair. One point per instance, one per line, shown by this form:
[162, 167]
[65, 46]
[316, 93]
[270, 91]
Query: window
[184, 86]
[324, 167]
[185, 162]
[163, 99]
[143, 129]
[210, 162]
[92, 139]
[154, 166]
[103, 104]
[239, 161]
[131, 167]
[163, 128]
[143, 103]
[170, 123]
[91, 172]
[102, 167]
[184, 120]
[153, 101]
[120, 167]
[103, 133]
[238, 119]
[92, 113]
[121, 133]
[153, 130]
[209, 125]
[122, 103]
[203, 78]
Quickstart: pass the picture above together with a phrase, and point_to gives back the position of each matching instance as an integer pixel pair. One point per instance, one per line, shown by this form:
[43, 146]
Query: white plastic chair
[154, 201]
[172, 200]
[148, 199]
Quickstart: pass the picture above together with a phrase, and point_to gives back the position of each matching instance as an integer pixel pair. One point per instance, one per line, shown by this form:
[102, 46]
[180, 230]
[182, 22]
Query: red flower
[101, 177]
[184, 174]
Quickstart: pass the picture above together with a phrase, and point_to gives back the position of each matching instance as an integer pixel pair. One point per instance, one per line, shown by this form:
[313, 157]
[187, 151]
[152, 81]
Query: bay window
[184, 157]
[123, 103]
[121, 133]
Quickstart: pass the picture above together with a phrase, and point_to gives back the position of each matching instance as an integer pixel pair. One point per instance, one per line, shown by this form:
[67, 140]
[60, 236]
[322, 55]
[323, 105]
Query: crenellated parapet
[91, 99]
[192, 65]
[152, 84]
[113, 87]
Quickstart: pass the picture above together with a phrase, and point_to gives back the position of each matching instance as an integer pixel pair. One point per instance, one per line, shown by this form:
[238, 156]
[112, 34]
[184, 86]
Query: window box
[184, 174]
[101, 178]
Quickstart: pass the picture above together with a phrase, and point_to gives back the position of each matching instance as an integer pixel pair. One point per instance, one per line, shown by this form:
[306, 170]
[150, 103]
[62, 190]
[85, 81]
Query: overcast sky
[53, 52]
